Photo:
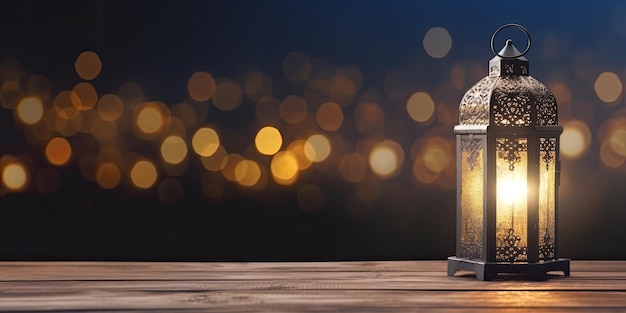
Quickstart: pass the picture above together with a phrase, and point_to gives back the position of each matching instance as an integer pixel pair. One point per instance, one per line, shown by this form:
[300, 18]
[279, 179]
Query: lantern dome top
[508, 96]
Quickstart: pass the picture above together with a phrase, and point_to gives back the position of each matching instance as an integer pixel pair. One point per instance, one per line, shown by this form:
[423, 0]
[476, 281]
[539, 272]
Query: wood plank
[380, 286]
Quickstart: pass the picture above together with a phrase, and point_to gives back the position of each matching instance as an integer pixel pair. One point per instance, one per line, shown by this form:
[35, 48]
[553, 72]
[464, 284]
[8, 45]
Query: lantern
[508, 169]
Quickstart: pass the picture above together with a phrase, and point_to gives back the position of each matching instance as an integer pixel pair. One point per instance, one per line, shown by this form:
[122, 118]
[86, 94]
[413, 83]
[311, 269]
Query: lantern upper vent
[508, 96]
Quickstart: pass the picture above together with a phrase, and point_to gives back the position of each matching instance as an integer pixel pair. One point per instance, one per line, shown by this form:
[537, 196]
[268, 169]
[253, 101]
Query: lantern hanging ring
[520, 27]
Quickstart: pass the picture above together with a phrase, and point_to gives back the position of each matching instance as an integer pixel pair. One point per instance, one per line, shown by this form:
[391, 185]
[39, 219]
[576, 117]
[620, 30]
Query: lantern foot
[489, 270]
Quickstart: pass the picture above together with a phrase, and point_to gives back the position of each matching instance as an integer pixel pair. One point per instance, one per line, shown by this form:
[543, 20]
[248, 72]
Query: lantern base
[489, 270]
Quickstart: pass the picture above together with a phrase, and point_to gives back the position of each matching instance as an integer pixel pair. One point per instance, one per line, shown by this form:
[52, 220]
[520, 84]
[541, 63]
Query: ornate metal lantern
[507, 172]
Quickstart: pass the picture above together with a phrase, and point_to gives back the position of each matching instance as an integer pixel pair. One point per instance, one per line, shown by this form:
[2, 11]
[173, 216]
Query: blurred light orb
[143, 174]
[329, 116]
[437, 42]
[88, 65]
[297, 67]
[84, 96]
[149, 120]
[386, 158]
[609, 157]
[257, 85]
[310, 198]
[617, 140]
[68, 121]
[575, 139]
[369, 117]
[293, 109]
[608, 87]
[110, 107]
[231, 162]
[228, 95]
[103, 130]
[58, 151]
[247, 173]
[10, 94]
[173, 149]
[297, 148]
[108, 175]
[420, 107]
[205, 141]
[201, 86]
[268, 140]
[317, 148]
[216, 161]
[14, 176]
[30, 110]
[284, 167]
[353, 167]
[437, 155]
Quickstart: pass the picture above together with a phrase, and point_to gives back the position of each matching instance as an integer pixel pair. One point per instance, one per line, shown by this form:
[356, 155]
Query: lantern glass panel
[472, 195]
[547, 197]
[511, 199]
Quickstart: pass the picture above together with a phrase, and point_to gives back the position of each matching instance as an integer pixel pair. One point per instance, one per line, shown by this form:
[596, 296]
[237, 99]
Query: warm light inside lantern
[511, 200]
[511, 191]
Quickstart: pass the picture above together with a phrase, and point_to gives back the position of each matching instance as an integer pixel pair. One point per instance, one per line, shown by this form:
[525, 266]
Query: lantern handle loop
[506, 26]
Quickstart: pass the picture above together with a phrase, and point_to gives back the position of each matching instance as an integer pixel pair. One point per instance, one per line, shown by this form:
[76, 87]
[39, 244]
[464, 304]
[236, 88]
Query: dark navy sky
[163, 42]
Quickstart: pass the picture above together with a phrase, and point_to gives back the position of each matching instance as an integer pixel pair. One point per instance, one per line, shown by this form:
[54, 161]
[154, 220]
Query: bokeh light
[293, 109]
[228, 95]
[108, 175]
[68, 121]
[575, 139]
[58, 151]
[353, 167]
[216, 161]
[284, 167]
[88, 65]
[297, 148]
[231, 162]
[110, 107]
[317, 148]
[247, 173]
[329, 116]
[151, 118]
[420, 107]
[257, 85]
[143, 174]
[369, 118]
[84, 96]
[386, 158]
[14, 176]
[268, 140]
[437, 42]
[608, 87]
[201, 86]
[205, 141]
[10, 94]
[173, 149]
[30, 110]
[437, 154]
[14, 173]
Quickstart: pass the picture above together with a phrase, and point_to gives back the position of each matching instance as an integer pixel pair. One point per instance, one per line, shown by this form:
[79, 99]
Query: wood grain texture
[384, 286]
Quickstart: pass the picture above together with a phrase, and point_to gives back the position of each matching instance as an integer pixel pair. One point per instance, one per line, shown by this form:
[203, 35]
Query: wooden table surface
[385, 286]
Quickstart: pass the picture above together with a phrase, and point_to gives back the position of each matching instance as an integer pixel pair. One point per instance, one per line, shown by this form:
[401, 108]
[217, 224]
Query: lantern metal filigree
[508, 172]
